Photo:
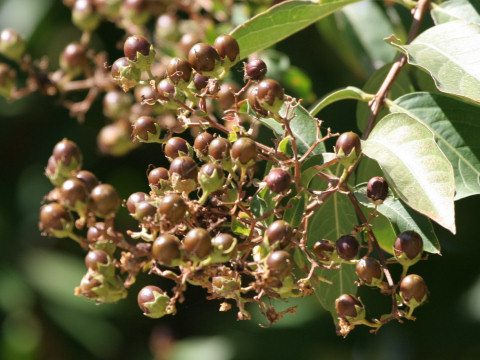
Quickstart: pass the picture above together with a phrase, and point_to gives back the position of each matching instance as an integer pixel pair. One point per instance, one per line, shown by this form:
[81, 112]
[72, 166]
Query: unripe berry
[73, 193]
[7, 80]
[118, 65]
[256, 69]
[203, 57]
[134, 44]
[280, 263]
[377, 189]
[278, 180]
[369, 271]
[12, 45]
[94, 257]
[156, 176]
[136, 11]
[223, 241]
[104, 200]
[347, 247]
[85, 16]
[348, 306]
[67, 151]
[135, 199]
[166, 249]
[227, 46]
[179, 69]
[175, 147]
[279, 232]
[166, 89]
[116, 104]
[244, 151]
[211, 177]
[154, 302]
[95, 232]
[197, 243]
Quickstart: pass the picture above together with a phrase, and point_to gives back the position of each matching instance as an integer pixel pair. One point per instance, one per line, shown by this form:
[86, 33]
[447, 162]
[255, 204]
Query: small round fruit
[175, 146]
[280, 263]
[347, 247]
[219, 148]
[346, 305]
[166, 249]
[54, 217]
[202, 141]
[244, 150]
[145, 211]
[223, 241]
[253, 101]
[278, 180]
[185, 167]
[156, 175]
[143, 126]
[166, 89]
[200, 81]
[88, 178]
[94, 257]
[413, 290]
[203, 57]
[104, 200]
[369, 270]
[268, 90]
[280, 232]
[118, 65]
[227, 46]
[95, 232]
[348, 142]
[323, 249]
[134, 199]
[134, 44]
[147, 295]
[377, 189]
[226, 98]
[66, 151]
[73, 191]
[73, 58]
[198, 243]
[256, 69]
[409, 243]
[172, 207]
[179, 69]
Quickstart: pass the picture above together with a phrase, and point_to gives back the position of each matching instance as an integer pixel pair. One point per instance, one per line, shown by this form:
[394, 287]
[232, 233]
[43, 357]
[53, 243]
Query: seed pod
[244, 151]
[172, 207]
[413, 290]
[256, 69]
[95, 257]
[323, 250]
[227, 47]
[202, 142]
[135, 199]
[74, 194]
[203, 58]
[185, 167]
[145, 129]
[349, 307]
[116, 104]
[219, 148]
[166, 89]
[55, 220]
[136, 44]
[279, 232]
[369, 271]
[179, 69]
[408, 248]
[104, 200]
[88, 178]
[158, 178]
[175, 147]
[136, 11]
[348, 143]
[154, 302]
[270, 95]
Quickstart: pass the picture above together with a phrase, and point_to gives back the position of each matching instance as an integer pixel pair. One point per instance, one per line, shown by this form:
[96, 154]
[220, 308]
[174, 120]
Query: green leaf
[401, 86]
[262, 203]
[294, 214]
[239, 227]
[283, 145]
[450, 53]
[334, 218]
[308, 171]
[414, 166]
[281, 21]
[467, 10]
[455, 126]
[350, 92]
[303, 126]
[402, 218]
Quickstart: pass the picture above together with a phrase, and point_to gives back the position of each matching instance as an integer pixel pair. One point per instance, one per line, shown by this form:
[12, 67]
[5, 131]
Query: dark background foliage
[41, 319]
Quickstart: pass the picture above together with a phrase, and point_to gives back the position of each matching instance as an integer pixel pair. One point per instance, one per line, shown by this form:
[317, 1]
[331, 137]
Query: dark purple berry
[73, 58]
[278, 180]
[377, 189]
[200, 81]
[256, 69]
[134, 44]
[166, 89]
[348, 142]
[347, 247]
[95, 232]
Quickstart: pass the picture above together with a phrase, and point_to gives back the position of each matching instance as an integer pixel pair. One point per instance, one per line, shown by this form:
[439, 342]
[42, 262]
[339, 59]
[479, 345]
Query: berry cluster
[197, 222]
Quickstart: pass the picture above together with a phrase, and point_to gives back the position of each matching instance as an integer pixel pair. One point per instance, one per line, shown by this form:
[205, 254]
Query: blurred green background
[41, 319]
